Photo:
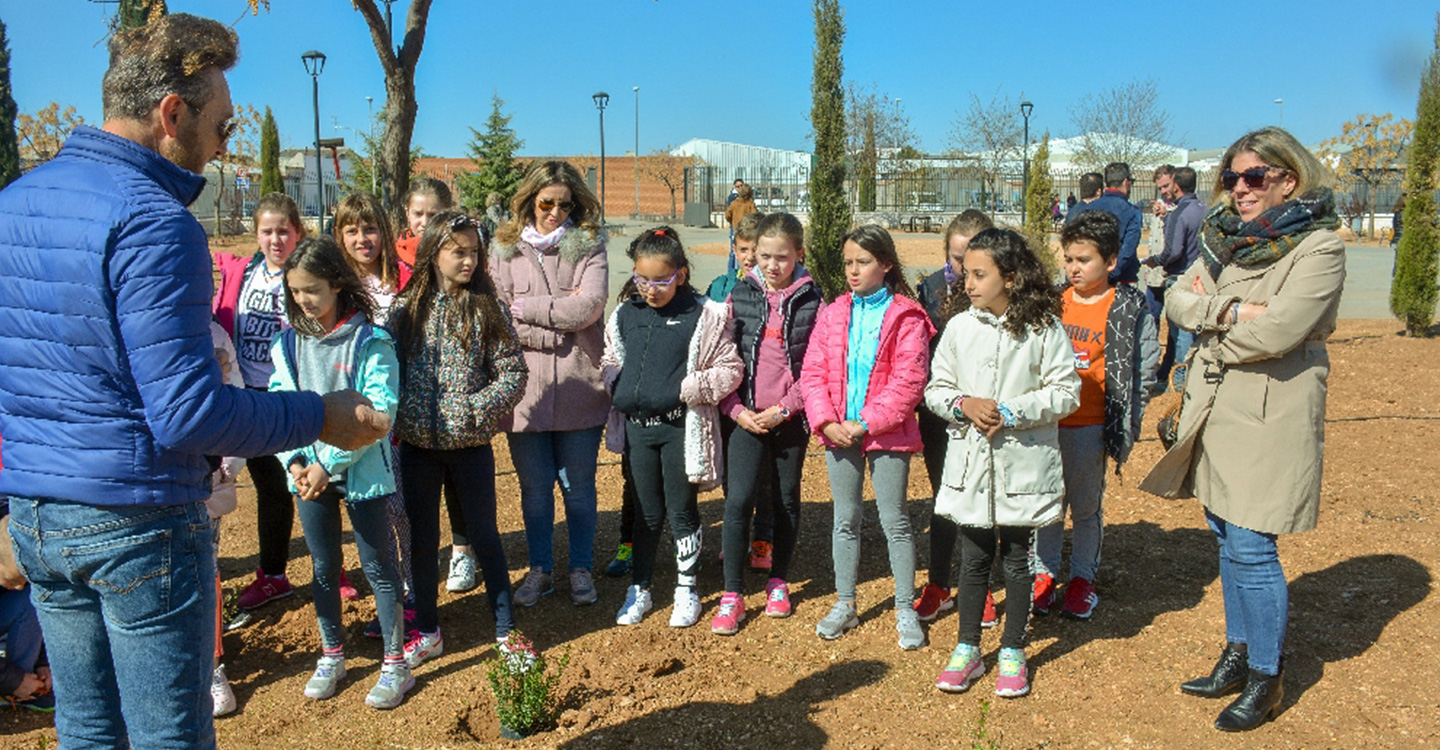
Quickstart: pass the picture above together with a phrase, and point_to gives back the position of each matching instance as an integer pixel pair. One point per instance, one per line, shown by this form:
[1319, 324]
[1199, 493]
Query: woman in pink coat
[864, 374]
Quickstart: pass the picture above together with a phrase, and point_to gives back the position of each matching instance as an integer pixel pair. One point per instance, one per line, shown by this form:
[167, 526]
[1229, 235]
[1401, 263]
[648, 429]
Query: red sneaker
[1080, 599]
[1043, 594]
[988, 619]
[762, 555]
[264, 589]
[933, 600]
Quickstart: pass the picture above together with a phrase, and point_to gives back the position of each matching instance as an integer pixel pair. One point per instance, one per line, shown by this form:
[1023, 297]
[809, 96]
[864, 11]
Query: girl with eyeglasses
[670, 357]
[550, 271]
[461, 372]
[1263, 297]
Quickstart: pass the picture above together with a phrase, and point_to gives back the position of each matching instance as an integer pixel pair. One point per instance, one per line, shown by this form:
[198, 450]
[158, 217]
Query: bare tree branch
[1123, 123]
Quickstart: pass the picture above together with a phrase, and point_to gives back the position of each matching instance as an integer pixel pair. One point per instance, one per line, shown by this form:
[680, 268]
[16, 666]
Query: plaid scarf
[1268, 237]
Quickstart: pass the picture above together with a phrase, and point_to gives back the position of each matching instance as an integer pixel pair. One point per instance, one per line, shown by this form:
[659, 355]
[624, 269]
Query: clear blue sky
[740, 70]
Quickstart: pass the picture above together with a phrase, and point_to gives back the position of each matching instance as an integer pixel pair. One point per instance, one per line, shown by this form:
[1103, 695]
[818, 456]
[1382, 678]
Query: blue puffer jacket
[110, 393]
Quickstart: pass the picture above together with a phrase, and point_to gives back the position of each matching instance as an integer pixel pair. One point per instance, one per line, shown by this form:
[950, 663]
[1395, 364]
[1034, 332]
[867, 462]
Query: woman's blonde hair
[1277, 148]
[584, 214]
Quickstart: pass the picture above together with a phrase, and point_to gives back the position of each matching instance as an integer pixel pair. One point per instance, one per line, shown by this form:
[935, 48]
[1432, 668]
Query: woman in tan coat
[1262, 297]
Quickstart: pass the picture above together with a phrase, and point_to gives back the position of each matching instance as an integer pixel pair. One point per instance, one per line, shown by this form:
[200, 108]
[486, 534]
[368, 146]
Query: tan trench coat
[1254, 456]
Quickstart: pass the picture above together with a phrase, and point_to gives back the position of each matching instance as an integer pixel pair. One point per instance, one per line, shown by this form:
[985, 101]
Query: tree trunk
[392, 163]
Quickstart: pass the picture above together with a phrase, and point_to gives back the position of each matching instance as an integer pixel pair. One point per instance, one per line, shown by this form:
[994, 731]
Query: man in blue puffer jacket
[111, 396]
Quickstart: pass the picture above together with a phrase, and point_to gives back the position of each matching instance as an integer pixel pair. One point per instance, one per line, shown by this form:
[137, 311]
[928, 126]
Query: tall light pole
[1281, 103]
[1025, 108]
[315, 65]
[601, 99]
[370, 140]
[637, 151]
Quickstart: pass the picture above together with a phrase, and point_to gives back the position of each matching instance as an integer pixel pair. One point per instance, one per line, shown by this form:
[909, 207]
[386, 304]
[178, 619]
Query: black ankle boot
[1260, 700]
[1228, 675]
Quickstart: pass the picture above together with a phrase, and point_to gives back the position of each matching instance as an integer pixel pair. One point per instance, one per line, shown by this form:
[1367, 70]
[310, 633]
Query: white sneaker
[423, 647]
[687, 608]
[221, 693]
[637, 603]
[462, 572]
[395, 681]
[329, 671]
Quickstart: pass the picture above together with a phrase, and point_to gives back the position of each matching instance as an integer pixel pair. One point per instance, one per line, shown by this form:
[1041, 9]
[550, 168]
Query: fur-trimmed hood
[577, 243]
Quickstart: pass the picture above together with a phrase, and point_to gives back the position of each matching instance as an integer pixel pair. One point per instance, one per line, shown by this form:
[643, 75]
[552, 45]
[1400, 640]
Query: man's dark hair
[167, 56]
[1116, 173]
[1090, 184]
[1099, 227]
[1185, 180]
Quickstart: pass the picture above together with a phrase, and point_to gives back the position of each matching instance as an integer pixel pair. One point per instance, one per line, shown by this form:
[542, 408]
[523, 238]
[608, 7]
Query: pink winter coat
[902, 365]
[232, 278]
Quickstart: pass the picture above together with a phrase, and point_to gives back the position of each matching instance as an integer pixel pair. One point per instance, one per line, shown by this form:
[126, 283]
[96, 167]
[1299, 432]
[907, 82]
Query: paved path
[1367, 281]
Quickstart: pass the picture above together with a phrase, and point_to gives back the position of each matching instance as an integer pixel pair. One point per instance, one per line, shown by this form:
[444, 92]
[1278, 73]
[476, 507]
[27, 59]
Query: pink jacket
[561, 294]
[232, 277]
[896, 384]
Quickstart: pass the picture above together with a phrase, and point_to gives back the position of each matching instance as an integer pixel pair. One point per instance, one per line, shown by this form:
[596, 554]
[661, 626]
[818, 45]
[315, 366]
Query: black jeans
[977, 554]
[468, 478]
[774, 461]
[764, 514]
[274, 513]
[657, 464]
[942, 529]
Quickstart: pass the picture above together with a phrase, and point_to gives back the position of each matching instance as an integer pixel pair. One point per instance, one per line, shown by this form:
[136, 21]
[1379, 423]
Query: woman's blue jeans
[541, 459]
[126, 598]
[1257, 599]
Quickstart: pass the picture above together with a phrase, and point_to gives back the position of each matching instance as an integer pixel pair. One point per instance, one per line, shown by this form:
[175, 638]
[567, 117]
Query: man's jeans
[126, 598]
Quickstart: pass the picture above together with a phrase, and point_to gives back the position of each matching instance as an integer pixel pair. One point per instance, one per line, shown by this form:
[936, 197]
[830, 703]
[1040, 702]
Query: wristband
[957, 409]
[1234, 313]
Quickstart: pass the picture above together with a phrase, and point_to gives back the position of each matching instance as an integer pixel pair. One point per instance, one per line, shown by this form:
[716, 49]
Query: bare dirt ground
[1361, 655]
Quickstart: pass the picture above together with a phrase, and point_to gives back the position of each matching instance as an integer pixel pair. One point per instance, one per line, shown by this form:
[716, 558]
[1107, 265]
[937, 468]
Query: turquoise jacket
[368, 472]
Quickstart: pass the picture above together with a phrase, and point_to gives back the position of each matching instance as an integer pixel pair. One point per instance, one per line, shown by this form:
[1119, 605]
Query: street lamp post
[601, 99]
[637, 151]
[315, 65]
[370, 140]
[1025, 109]
[1281, 104]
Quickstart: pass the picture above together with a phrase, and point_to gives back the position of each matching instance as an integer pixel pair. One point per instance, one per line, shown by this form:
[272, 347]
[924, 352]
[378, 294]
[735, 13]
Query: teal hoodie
[368, 472]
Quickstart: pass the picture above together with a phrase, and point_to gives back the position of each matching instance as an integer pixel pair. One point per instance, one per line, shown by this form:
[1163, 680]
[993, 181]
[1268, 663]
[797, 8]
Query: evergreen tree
[1038, 221]
[9, 141]
[493, 153]
[1413, 291]
[829, 210]
[271, 181]
[137, 13]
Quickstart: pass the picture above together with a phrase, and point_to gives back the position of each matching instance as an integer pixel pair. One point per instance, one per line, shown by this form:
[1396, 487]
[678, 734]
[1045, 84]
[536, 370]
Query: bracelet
[1234, 313]
[957, 410]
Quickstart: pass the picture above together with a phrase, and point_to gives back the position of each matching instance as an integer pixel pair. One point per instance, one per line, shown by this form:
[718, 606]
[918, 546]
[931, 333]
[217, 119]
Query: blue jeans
[1082, 453]
[126, 598]
[370, 520]
[1257, 599]
[542, 458]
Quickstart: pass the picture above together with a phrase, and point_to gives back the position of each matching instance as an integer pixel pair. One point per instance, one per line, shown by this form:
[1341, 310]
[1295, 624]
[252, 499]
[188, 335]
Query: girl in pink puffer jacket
[864, 374]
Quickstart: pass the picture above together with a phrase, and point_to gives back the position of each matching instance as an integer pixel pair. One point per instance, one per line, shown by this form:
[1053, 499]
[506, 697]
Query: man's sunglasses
[546, 206]
[225, 128]
[1254, 177]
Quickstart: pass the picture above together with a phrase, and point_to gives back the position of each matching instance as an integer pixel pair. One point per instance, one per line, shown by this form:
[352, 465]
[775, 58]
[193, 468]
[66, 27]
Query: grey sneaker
[582, 587]
[329, 672]
[395, 681]
[842, 617]
[907, 623]
[537, 583]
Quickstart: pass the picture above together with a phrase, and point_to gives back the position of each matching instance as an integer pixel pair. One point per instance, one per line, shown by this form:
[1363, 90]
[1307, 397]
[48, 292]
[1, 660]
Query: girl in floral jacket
[462, 372]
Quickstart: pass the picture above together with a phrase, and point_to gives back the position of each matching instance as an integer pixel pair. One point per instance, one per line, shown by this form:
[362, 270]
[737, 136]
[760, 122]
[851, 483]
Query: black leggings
[657, 464]
[775, 460]
[455, 510]
[942, 529]
[977, 554]
[274, 513]
[468, 478]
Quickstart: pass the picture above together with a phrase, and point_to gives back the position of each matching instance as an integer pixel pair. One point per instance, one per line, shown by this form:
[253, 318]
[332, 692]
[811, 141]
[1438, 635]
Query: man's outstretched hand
[351, 422]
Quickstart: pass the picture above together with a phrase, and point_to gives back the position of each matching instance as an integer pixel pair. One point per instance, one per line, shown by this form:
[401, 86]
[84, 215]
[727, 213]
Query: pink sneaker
[264, 589]
[777, 598]
[1014, 679]
[348, 592]
[963, 669]
[732, 613]
[421, 647]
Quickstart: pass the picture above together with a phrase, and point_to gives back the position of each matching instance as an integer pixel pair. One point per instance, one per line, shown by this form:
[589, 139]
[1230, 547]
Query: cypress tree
[829, 210]
[1037, 204]
[271, 181]
[493, 153]
[1413, 291]
[137, 13]
[9, 141]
